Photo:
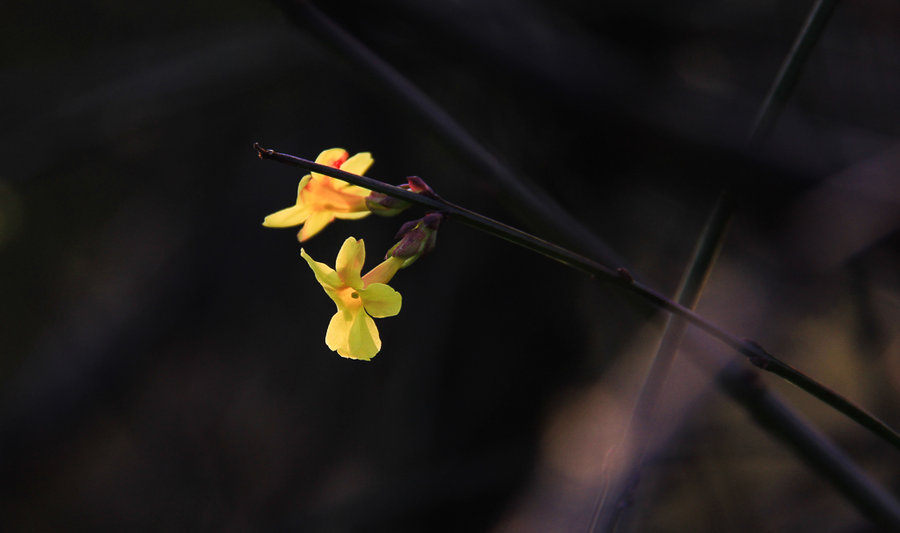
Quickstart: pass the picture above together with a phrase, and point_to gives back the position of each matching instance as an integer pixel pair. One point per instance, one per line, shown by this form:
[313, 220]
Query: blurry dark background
[162, 356]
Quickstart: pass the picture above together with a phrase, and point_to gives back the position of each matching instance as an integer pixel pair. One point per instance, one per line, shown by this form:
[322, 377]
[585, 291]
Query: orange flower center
[349, 298]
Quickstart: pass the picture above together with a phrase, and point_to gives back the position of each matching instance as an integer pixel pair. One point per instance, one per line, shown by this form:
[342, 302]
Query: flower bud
[417, 238]
[418, 186]
[384, 205]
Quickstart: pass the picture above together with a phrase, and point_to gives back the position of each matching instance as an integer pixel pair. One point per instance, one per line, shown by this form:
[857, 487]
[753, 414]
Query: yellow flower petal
[314, 224]
[350, 261]
[353, 215]
[358, 164]
[338, 334]
[324, 274]
[380, 300]
[287, 217]
[353, 336]
[333, 157]
[363, 341]
[293, 215]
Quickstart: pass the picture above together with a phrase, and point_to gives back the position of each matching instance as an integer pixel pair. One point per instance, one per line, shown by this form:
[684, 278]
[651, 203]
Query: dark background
[162, 356]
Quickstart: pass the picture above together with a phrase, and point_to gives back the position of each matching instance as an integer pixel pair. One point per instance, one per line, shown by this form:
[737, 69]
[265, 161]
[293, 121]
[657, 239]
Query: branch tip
[262, 152]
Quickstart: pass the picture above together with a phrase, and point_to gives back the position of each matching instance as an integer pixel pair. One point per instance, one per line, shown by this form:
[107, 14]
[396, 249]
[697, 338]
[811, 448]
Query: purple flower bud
[405, 228]
[432, 220]
[418, 186]
[412, 244]
[384, 205]
[417, 238]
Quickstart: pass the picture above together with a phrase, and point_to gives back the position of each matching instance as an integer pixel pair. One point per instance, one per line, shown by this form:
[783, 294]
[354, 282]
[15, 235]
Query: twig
[753, 351]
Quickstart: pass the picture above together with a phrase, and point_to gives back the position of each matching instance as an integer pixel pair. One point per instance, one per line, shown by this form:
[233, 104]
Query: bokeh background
[162, 361]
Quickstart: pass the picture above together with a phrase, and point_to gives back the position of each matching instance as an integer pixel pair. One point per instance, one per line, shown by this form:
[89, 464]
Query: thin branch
[612, 500]
[745, 386]
[813, 448]
[753, 351]
[789, 72]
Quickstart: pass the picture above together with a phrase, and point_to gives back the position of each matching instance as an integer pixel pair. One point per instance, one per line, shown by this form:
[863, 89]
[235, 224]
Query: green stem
[757, 356]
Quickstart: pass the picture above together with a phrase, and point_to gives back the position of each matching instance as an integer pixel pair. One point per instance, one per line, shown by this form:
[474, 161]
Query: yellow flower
[352, 332]
[321, 199]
